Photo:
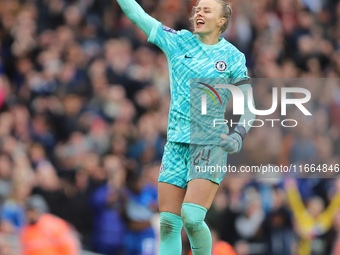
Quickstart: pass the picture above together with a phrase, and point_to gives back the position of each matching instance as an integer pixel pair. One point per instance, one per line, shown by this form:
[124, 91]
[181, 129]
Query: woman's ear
[221, 22]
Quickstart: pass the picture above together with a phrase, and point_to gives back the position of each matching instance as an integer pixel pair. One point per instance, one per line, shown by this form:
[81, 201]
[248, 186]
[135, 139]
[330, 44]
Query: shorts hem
[176, 184]
[218, 182]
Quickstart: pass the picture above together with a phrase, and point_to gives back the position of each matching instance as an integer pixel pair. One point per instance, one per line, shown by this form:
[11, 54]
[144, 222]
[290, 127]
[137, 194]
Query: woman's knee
[193, 217]
[170, 224]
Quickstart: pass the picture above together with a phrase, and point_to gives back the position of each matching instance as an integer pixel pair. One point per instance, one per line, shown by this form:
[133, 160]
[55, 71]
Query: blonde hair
[226, 13]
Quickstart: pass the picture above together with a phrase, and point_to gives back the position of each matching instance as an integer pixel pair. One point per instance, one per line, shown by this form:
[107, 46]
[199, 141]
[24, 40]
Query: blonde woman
[185, 196]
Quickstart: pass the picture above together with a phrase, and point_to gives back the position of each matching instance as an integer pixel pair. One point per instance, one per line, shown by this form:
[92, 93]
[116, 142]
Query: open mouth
[199, 23]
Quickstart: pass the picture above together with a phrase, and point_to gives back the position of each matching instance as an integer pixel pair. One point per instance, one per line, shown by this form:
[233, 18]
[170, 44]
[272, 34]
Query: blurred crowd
[84, 102]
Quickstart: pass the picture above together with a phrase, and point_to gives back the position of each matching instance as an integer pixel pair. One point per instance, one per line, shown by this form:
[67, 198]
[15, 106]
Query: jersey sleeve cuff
[153, 33]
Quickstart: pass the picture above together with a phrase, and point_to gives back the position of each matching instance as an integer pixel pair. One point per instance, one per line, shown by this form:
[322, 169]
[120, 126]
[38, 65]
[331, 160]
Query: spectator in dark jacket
[108, 224]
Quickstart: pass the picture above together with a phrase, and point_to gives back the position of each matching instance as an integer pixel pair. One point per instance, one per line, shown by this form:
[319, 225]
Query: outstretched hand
[231, 143]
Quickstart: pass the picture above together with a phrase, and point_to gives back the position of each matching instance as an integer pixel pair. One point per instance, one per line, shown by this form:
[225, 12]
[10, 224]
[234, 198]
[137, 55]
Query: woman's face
[207, 17]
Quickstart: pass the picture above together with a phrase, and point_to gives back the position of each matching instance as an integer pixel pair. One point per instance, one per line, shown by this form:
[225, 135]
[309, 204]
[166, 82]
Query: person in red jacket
[45, 233]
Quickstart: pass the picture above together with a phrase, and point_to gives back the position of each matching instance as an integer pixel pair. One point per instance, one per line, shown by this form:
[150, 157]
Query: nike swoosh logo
[196, 248]
[187, 56]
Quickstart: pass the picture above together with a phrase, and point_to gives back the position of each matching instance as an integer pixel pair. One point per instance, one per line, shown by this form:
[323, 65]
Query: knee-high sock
[171, 241]
[198, 232]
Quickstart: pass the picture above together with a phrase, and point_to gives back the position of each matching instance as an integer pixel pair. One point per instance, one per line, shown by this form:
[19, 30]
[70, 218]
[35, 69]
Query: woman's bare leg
[170, 198]
[201, 192]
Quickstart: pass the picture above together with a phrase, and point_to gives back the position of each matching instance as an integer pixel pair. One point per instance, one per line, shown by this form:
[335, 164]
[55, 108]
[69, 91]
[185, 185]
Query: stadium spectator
[140, 205]
[107, 204]
[45, 233]
[13, 210]
[312, 220]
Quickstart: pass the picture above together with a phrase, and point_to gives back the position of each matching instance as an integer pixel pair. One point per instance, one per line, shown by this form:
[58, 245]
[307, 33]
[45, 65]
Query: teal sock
[198, 232]
[171, 240]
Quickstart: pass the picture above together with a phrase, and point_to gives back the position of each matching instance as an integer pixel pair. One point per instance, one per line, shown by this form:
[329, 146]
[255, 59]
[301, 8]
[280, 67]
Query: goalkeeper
[184, 199]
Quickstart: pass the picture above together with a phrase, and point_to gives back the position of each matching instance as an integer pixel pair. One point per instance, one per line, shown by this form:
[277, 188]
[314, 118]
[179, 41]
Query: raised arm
[138, 16]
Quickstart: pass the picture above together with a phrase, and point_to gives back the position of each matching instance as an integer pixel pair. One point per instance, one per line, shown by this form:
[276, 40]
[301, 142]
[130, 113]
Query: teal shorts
[183, 162]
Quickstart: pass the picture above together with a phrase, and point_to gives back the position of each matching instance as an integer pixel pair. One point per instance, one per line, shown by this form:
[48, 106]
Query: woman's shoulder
[232, 47]
[184, 33]
[233, 52]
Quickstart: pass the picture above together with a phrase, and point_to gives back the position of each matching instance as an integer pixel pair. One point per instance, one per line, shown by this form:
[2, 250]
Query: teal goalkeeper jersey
[189, 59]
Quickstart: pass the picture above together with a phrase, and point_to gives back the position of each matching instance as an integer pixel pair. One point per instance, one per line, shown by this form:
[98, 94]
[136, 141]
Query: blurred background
[84, 102]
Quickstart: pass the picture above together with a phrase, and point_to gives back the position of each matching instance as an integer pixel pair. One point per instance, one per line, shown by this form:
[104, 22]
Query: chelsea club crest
[220, 66]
